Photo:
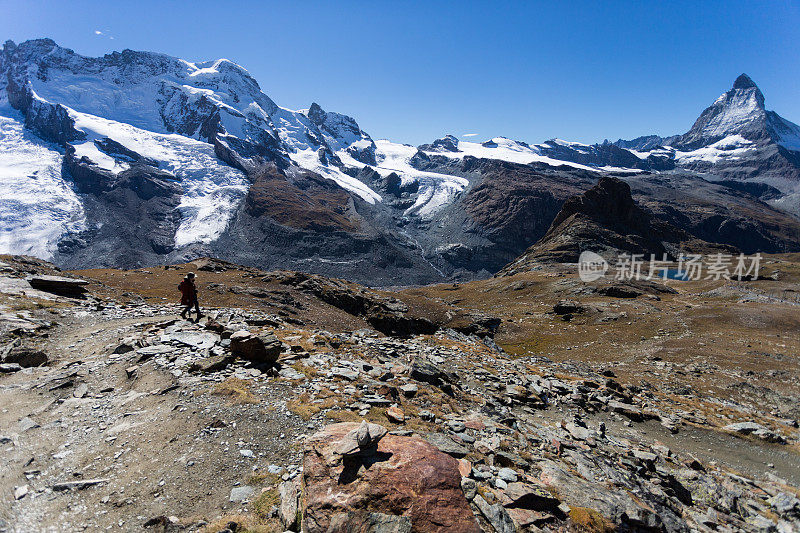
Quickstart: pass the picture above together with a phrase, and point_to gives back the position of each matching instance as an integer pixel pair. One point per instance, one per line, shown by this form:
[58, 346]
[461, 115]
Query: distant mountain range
[138, 158]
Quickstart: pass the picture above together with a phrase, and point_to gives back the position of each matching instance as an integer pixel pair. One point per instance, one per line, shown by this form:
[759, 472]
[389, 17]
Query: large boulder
[26, 357]
[260, 349]
[426, 371]
[405, 484]
[59, 285]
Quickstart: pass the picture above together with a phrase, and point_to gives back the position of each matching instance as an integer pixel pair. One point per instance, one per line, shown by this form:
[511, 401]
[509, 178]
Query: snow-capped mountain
[735, 138]
[139, 158]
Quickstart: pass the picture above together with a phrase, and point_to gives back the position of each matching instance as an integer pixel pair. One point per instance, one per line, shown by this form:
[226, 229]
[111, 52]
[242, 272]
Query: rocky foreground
[117, 415]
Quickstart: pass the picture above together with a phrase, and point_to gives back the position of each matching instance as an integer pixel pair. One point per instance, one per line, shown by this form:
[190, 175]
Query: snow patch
[730, 148]
[37, 206]
[507, 150]
[309, 160]
[211, 190]
[90, 151]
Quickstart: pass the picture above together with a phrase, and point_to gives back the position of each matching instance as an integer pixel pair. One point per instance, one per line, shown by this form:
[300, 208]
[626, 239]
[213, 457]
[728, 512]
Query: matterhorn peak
[745, 85]
[744, 82]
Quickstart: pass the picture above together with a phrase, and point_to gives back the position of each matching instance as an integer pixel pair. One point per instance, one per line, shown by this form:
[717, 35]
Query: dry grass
[237, 390]
[263, 479]
[340, 415]
[247, 523]
[589, 520]
[309, 371]
[264, 503]
[305, 408]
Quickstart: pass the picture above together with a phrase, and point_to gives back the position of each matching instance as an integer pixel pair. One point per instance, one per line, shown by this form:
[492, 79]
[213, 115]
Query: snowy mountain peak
[739, 111]
[744, 82]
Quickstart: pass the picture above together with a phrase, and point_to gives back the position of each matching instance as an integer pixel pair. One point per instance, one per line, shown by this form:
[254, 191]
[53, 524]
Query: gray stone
[291, 374]
[157, 349]
[287, 512]
[59, 285]
[528, 496]
[446, 444]
[263, 349]
[344, 373]
[496, 515]
[409, 390]
[20, 492]
[577, 432]
[80, 484]
[757, 430]
[80, 390]
[423, 369]
[470, 488]
[426, 415]
[364, 438]
[241, 494]
[26, 423]
[647, 457]
[199, 340]
[784, 504]
[7, 368]
[628, 410]
[215, 363]
[456, 426]
[507, 475]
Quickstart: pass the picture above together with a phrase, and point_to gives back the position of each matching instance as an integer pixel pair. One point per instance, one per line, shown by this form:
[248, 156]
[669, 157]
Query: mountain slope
[138, 158]
[606, 220]
[735, 138]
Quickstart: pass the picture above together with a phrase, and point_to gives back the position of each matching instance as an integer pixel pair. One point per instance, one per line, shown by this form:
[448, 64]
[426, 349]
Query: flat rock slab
[80, 484]
[195, 339]
[155, 349]
[20, 287]
[6, 368]
[754, 429]
[446, 444]
[241, 494]
[59, 285]
[405, 477]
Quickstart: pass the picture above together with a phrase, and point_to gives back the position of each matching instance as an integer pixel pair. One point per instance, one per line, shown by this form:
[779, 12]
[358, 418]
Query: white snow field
[506, 150]
[730, 148]
[159, 90]
[435, 190]
[212, 190]
[37, 206]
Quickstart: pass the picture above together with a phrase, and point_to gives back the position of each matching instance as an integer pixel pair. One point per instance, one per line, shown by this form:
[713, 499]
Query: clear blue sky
[412, 72]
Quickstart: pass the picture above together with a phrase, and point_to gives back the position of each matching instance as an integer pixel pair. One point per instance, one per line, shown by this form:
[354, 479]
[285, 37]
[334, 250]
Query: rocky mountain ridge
[606, 220]
[138, 158]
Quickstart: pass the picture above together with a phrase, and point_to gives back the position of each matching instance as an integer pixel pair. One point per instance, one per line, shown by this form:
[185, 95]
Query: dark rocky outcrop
[59, 285]
[387, 315]
[258, 349]
[448, 143]
[606, 220]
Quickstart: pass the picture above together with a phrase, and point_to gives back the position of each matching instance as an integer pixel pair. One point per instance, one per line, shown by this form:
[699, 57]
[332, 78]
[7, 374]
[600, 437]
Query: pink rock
[405, 477]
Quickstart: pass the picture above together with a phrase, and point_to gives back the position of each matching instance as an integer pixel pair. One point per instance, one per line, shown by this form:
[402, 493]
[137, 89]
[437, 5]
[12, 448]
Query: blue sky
[411, 72]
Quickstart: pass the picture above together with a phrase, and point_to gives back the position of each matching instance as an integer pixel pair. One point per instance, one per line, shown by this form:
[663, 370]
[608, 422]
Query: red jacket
[188, 292]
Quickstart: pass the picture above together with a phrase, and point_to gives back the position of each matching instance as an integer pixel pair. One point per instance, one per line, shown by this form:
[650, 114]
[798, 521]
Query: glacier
[37, 205]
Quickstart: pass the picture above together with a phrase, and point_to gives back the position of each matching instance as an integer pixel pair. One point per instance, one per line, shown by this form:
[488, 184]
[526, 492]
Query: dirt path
[162, 444]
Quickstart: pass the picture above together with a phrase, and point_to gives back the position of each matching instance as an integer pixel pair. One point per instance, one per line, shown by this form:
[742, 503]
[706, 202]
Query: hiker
[189, 296]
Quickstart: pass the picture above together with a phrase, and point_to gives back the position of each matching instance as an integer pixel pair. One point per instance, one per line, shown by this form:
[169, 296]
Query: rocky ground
[528, 403]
